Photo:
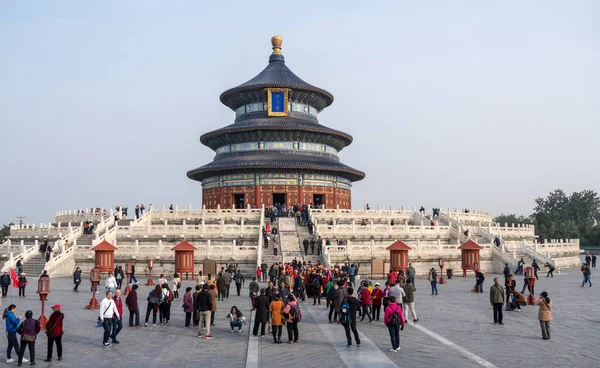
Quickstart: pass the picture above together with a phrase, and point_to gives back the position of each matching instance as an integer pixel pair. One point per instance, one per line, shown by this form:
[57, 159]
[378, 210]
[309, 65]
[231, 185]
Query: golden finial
[276, 41]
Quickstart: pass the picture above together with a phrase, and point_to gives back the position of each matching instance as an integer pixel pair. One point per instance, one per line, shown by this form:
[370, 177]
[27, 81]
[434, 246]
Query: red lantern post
[150, 266]
[95, 279]
[441, 281]
[43, 290]
[128, 270]
[530, 274]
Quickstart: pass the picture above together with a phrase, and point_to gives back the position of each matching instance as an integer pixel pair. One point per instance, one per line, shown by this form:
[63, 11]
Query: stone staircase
[289, 244]
[34, 266]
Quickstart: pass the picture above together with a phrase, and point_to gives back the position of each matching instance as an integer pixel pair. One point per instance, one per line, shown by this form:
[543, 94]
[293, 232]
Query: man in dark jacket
[5, 283]
[305, 243]
[496, 300]
[77, 279]
[479, 281]
[351, 325]
[506, 273]
[316, 281]
[262, 313]
[204, 307]
[239, 280]
[263, 268]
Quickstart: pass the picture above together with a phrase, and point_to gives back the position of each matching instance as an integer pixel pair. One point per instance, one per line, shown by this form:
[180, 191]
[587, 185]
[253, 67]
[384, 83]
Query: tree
[562, 216]
[4, 232]
[512, 219]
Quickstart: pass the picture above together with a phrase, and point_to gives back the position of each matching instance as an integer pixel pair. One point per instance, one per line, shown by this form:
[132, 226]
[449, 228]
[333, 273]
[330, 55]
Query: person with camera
[544, 314]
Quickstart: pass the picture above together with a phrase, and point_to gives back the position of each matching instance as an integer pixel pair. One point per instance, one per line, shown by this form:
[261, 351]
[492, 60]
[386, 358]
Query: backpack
[316, 283]
[344, 312]
[396, 317]
[152, 299]
[297, 315]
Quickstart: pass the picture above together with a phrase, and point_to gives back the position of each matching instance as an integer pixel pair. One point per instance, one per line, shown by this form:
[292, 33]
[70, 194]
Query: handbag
[28, 338]
[47, 332]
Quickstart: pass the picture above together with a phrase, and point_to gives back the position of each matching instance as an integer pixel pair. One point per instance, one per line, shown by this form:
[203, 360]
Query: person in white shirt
[111, 282]
[397, 292]
[108, 311]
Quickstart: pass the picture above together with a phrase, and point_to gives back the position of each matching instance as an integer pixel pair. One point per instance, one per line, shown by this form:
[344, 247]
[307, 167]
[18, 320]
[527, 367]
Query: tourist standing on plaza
[228, 275]
[221, 286]
[348, 311]
[409, 300]
[188, 306]
[397, 292]
[21, 284]
[536, 268]
[254, 288]
[119, 276]
[393, 318]
[545, 314]
[236, 319]
[261, 318]
[410, 273]
[365, 302]
[162, 279]
[291, 315]
[338, 299]
[154, 299]
[239, 281]
[506, 273]
[201, 279]
[316, 281]
[108, 311]
[593, 261]
[433, 280]
[213, 310]
[5, 283]
[12, 323]
[376, 297]
[77, 278]
[497, 300]
[165, 304]
[204, 307]
[117, 322]
[276, 310]
[176, 286]
[111, 283]
[134, 309]
[480, 278]
[54, 331]
[550, 269]
[196, 313]
[28, 329]
[587, 274]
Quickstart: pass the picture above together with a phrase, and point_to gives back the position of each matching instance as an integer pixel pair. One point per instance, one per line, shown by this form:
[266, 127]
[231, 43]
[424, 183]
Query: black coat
[76, 277]
[354, 304]
[204, 301]
[262, 309]
[5, 280]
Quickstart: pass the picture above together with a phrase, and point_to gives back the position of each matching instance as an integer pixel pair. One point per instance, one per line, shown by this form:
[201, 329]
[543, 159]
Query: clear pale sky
[451, 103]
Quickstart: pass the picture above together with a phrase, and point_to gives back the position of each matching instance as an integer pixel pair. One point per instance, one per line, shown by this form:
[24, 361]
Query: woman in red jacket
[134, 309]
[54, 330]
[376, 297]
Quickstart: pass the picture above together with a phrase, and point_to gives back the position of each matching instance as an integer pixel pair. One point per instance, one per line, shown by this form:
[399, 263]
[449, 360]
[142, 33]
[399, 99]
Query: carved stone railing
[377, 231]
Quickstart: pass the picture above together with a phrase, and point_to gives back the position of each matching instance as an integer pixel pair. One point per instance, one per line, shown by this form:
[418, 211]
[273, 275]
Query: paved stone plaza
[455, 329]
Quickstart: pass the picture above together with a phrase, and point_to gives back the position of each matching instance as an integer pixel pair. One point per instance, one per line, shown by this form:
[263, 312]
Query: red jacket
[365, 297]
[392, 277]
[55, 324]
[377, 294]
[119, 304]
[131, 301]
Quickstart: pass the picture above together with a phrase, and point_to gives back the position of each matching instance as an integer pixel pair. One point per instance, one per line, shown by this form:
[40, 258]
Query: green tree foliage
[512, 219]
[562, 216]
[4, 232]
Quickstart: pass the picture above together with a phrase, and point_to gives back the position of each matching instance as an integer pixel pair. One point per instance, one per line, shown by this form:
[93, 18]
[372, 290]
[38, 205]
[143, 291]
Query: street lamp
[128, 272]
[441, 263]
[43, 290]
[150, 266]
[95, 279]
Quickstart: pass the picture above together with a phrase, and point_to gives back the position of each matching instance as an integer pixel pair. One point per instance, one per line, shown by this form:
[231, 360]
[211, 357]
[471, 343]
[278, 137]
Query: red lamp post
[441, 262]
[43, 290]
[150, 266]
[128, 269]
[530, 274]
[95, 279]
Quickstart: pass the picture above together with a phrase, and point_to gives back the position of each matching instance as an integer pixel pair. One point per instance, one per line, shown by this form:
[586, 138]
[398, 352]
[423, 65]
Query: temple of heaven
[276, 152]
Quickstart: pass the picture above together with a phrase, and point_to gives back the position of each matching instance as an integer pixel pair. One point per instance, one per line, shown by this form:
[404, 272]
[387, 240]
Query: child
[258, 273]
[188, 306]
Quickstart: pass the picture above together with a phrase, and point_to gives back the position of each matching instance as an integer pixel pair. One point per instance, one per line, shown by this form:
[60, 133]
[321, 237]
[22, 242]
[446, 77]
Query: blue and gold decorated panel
[263, 106]
[276, 178]
[277, 101]
[276, 145]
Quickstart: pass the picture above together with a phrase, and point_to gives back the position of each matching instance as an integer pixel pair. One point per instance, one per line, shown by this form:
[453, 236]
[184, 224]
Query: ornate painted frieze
[276, 145]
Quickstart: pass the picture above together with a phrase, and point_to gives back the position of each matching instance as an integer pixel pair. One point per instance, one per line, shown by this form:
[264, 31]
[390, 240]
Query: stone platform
[455, 329]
